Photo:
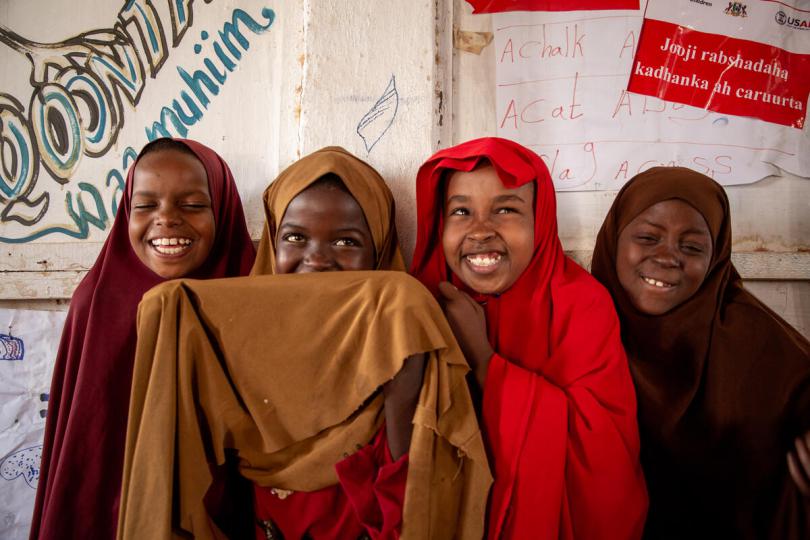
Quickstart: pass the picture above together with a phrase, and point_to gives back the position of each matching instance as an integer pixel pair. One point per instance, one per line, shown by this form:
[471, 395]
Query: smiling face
[171, 222]
[323, 230]
[488, 236]
[663, 256]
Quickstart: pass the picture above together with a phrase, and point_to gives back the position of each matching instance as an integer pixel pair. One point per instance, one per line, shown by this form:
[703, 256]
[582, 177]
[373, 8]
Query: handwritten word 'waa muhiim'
[105, 78]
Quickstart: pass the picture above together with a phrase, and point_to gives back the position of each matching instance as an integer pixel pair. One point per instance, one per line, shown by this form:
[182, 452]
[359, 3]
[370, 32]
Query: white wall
[770, 219]
[306, 82]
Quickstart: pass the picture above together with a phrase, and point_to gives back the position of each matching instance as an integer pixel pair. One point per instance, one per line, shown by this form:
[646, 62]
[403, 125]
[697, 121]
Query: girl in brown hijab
[316, 222]
[723, 383]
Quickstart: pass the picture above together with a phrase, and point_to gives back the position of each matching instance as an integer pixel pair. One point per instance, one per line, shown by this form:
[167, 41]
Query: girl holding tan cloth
[287, 370]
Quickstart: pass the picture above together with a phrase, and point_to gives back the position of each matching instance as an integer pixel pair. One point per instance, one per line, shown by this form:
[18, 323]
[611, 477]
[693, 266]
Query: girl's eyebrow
[700, 232]
[693, 230]
[143, 193]
[458, 198]
[351, 229]
[286, 224]
[509, 197]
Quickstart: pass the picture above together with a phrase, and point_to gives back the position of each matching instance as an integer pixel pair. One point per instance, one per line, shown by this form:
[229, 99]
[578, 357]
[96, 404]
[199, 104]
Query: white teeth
[656, 283]
[170, 241]
[483, 260]
[170, 250]
[170, 246]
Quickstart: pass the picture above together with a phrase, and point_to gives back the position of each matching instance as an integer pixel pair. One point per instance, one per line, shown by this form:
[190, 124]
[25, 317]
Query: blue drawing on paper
[23, 463]
[377, 120]
[11, 348]
[44, 398]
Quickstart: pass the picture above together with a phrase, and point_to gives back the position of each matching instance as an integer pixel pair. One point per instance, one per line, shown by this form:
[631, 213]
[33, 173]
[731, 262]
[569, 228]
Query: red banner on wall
[500, 6]
[721, 73]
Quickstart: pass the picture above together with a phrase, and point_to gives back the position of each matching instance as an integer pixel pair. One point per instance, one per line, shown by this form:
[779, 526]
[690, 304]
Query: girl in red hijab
[541, 335]
[180, 215]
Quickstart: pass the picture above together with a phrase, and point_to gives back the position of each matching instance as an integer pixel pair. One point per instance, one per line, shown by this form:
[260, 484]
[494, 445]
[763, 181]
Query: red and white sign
[561, 89]
[501, 6]
[741, 58]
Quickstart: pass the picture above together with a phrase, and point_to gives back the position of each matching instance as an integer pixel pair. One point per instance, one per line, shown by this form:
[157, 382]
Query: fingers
[802, 452]
[797, 474]
[449, 291]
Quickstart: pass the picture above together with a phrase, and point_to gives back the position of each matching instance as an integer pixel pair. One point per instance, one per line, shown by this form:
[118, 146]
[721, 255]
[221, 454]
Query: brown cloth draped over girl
[286, 370]
[723, 384]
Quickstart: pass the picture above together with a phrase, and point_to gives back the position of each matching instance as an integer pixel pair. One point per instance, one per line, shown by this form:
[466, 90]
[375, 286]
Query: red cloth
[368, 500]
[499, 6]
[559, 410]
[83, 453]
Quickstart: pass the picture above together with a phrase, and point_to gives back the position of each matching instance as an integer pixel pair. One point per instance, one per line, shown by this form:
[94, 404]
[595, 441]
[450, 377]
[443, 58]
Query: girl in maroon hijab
[543, 340]
[723, 382]
[180, 215]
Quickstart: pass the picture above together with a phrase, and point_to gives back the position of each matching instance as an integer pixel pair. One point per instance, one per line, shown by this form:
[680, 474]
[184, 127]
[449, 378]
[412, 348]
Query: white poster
[28, 345]
[561, 90]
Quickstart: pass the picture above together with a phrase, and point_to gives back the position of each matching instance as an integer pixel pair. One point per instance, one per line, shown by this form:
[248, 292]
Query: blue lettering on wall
[83, 88]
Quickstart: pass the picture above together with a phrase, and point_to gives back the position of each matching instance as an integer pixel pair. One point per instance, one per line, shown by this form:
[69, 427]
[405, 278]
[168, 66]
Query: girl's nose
[317, 260]
[666, 254]
[481, 231]
[168, 216]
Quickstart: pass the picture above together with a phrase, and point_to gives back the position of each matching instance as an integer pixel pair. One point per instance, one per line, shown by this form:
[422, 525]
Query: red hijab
[83, 452]
[558, 406]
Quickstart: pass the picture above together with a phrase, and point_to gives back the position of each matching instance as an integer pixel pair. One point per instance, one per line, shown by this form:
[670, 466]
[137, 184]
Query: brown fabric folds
[293, 391]
[723, 385]
[362, 181]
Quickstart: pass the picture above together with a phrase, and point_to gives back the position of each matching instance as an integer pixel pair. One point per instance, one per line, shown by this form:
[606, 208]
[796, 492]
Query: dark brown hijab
[723, 385]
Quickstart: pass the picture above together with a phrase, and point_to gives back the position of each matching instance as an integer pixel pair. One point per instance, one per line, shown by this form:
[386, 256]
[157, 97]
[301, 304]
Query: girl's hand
[401, 396]
[469, 324]
[799, 463]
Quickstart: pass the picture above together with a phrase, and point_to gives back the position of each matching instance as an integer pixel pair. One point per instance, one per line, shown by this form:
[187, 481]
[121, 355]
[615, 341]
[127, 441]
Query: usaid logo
[794, 22]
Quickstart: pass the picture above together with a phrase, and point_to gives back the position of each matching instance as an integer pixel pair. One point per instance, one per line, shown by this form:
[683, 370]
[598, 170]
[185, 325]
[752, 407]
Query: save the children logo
[794, 22]
[736, 9]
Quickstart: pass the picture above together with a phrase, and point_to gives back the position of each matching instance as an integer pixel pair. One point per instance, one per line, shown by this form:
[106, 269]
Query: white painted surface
[307, 83]
[770, 219]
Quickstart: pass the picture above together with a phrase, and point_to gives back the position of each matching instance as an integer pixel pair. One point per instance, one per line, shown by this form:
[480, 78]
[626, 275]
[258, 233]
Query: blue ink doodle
[44, 398]
[11, 348]
[377, 120]
[23, 463]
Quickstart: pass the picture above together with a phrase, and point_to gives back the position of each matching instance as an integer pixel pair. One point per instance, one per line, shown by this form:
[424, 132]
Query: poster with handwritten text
[562, 91]
[28, 345]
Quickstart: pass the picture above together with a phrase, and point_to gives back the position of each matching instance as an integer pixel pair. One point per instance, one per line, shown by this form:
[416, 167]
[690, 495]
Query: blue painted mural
[83, 89]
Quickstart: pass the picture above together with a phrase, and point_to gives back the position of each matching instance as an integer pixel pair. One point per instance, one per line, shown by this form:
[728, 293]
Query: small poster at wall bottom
[28, 345]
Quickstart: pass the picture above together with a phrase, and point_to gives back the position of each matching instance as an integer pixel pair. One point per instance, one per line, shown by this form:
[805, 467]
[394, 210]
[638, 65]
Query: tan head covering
[286, 370]
[363, 182]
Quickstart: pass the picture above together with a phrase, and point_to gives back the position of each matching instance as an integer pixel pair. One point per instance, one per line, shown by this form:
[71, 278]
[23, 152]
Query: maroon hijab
[83, 452]
[723, 384]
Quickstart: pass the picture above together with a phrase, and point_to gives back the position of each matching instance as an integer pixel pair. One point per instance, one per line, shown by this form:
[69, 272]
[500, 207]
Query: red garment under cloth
[367, 501]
